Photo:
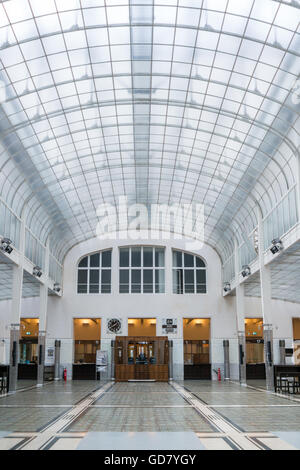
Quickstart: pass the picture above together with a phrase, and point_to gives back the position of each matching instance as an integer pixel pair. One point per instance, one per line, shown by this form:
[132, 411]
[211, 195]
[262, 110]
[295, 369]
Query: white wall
[213, 305]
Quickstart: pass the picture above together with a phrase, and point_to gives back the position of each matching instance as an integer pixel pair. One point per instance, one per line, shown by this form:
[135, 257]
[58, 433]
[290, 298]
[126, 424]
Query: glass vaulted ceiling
[165, 101]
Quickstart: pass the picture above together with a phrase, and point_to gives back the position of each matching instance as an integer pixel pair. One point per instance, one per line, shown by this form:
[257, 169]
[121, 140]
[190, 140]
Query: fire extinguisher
[65, 374]
[219, 374]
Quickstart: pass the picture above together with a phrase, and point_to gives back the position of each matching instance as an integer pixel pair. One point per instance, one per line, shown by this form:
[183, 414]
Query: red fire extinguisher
[219, 374]
[65, 374]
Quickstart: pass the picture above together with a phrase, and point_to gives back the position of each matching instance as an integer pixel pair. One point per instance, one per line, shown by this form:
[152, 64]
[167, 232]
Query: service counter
[141, 358]
[255, 371]
[84, 371]
[27, 371]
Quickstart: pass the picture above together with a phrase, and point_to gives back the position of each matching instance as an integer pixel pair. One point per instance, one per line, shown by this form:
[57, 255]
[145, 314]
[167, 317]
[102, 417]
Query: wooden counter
[158, 372]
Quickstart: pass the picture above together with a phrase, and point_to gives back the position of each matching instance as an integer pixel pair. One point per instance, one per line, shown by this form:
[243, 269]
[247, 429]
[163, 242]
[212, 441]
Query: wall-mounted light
[5, 245]
[198, 322]
[277, 246]
[56, 287]
[37, 271]
[246, 271]
[227, 287]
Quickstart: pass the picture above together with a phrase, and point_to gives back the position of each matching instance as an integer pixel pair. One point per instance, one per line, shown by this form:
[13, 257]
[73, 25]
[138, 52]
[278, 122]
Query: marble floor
[86, 414]
[21, 384]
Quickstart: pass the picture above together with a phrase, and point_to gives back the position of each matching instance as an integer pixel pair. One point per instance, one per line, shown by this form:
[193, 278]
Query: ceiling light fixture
[5, 245]
[227, 287]
[37, 271]
[277, 246]
[246, 271]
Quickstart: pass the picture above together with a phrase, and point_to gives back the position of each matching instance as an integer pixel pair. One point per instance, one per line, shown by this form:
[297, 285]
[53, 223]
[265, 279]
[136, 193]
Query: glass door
[28, 351]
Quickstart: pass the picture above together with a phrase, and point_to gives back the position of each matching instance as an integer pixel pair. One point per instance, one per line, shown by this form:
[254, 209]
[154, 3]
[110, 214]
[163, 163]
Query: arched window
[94, 273]
[142, 270]
[189, 273]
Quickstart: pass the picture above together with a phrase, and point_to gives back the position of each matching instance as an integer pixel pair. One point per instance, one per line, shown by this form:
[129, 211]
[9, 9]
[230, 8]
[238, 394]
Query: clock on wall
[114, 325]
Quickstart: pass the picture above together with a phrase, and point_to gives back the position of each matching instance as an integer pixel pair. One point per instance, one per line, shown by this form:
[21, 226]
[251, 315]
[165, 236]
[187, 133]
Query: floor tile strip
[234, 435]
[43, 439]
[141, 406]
[24, 389]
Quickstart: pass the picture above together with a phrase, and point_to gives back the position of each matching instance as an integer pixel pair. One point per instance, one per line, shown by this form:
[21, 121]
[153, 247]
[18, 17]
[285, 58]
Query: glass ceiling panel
[160, 101]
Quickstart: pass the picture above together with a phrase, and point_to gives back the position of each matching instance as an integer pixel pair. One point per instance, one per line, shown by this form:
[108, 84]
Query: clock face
[114, 325]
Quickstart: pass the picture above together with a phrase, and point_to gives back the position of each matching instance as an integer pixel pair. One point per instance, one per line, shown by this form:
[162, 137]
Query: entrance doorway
[196, 340]
[28, 349]
[87, 335]
[255, 361]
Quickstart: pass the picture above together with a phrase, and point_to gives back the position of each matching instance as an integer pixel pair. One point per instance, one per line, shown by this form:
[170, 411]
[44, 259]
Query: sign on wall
[49, 359]
[169, 326]
[101, 360]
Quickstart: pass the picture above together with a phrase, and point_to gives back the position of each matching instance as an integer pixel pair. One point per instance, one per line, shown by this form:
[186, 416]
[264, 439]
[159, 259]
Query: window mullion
[100, 273]
[130, 268]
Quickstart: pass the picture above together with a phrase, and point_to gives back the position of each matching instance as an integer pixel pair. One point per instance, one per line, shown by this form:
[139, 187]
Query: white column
[240, 315]
[168, 271]
[15, 313]
[115, 271]
[178, 345]
[107, 338]
[266, 295]
[43, 320]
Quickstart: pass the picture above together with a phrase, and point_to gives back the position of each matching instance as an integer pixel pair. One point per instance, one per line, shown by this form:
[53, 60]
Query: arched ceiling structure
[162, 101]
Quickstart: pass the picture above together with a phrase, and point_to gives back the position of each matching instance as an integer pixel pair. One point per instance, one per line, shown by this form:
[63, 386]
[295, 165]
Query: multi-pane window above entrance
[94, 273]
[189, 273]
[142, 270]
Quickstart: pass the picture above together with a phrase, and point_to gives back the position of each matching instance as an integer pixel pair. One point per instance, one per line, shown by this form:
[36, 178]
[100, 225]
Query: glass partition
[196, 352]
[29, 332]
[87, 333]
[196, 334]
[254, 341]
